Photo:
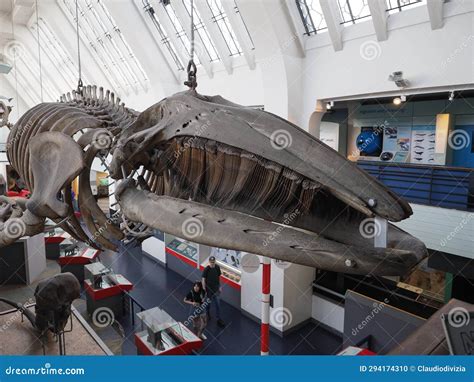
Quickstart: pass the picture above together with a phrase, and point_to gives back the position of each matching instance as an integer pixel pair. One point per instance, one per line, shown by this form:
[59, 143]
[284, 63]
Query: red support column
[265, 328]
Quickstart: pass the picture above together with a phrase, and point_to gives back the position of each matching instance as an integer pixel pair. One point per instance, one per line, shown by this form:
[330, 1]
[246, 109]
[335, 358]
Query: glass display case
[69, 247]
[99, 275]
[161, 333]
[185, 248]
[428, 283]
[229, 261]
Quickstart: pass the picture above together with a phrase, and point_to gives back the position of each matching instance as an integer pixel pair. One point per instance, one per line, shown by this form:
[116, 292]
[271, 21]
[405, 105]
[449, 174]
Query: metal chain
[80, 85]
[39, 50]
[192, 69]
[14, 63]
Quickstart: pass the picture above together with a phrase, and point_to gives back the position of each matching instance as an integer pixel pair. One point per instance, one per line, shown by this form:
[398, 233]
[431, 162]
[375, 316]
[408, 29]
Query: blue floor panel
[154, 285]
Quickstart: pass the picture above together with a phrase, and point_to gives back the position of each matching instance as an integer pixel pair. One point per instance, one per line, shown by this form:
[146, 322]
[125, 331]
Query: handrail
[414, 165]
[440, 186]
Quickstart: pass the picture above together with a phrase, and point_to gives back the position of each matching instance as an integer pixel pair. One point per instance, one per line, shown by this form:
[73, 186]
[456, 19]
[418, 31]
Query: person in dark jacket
[3, 185]
[197, 299]
[211, 283]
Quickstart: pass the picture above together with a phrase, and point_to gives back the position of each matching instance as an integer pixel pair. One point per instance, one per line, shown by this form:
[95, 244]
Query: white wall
[442, 229]
[279, 55]
[292, 291]
[155, 248]
[328, 313]
[329, 134]
[244, 86]
[298, 293]
[428, 58]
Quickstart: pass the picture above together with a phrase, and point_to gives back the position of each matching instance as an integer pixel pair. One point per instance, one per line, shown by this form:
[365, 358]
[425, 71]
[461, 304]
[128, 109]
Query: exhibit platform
[19, 338]
[158, 285]
[23, 261]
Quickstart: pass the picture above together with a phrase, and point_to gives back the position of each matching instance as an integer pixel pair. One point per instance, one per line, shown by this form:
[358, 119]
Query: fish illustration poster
[397, 140]
[423, 145]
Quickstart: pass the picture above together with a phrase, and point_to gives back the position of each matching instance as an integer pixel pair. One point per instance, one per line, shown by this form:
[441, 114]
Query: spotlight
[329, 105]
[397, 77]
[451, 96]
[398, 100]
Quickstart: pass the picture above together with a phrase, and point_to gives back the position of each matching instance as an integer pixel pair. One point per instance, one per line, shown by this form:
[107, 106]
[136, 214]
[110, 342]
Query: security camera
[5, 68]
[397, 77]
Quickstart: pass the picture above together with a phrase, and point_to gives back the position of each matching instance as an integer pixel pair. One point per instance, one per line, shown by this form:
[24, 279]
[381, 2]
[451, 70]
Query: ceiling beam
[157, 38]
[297, 25]
[5, 28]
[378, 10]
[168, 27]
[435, 12]
[333, 19]
[52, 54]
[240, 32]
[91, 54]
[215, 33]
[22, 11]
[185, 21]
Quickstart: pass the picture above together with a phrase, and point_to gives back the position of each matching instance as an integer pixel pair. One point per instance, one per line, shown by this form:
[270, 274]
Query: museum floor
[154, 285]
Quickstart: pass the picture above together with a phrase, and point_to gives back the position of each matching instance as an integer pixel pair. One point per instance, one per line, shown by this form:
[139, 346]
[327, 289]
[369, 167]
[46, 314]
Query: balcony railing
[440, 186]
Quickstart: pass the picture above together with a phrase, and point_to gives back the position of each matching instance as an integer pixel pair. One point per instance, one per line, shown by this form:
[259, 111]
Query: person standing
[196, 298]
[212, 285]
[3, 185]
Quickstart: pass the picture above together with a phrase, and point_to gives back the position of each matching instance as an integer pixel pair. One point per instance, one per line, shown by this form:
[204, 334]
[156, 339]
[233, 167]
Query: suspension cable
[80, 85]
[14, 64]
[192, 69]
[192, 31]
[39, 51]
